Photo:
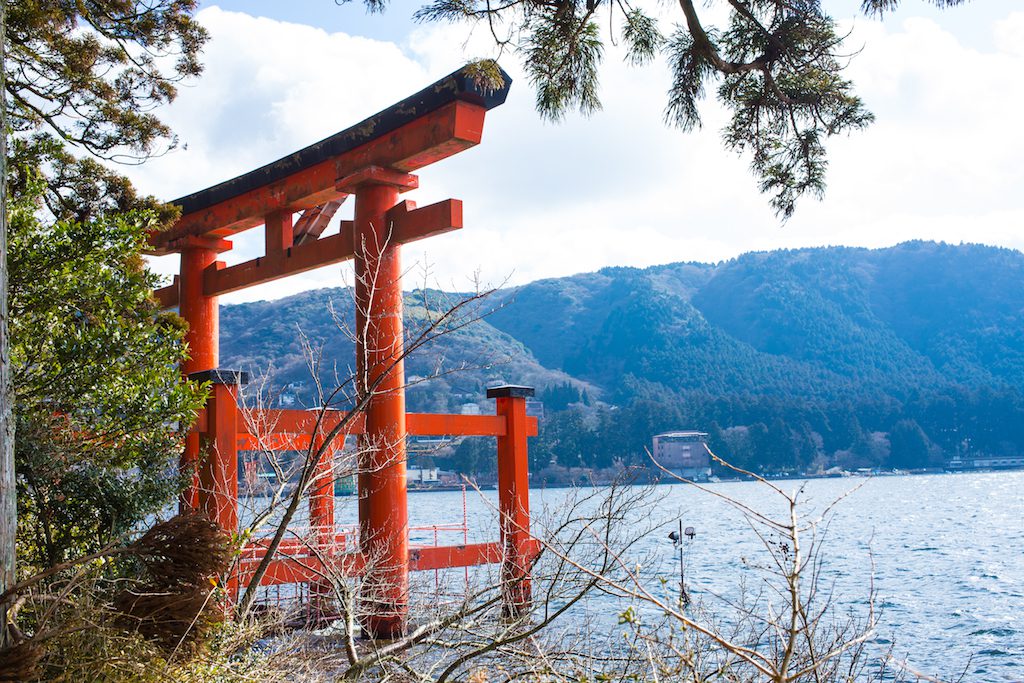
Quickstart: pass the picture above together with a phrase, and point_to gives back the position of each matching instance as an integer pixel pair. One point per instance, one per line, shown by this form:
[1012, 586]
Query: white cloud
[620, 188]
[270, 88]
[1009, 34]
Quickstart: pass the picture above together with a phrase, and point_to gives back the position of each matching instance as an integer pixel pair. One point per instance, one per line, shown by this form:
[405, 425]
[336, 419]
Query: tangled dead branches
[175, 608]
[186, 550]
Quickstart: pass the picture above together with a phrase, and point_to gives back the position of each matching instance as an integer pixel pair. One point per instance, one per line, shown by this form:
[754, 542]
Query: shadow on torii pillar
[372, 161]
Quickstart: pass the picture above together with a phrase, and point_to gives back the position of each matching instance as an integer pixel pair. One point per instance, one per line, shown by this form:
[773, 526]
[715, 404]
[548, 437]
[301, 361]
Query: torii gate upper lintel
[372, 161]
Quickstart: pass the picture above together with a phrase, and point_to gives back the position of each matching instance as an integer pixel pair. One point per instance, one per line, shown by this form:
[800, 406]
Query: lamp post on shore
[677, 542]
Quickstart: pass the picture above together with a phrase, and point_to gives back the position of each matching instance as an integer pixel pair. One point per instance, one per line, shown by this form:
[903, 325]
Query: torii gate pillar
[203, 338]
[383, 511]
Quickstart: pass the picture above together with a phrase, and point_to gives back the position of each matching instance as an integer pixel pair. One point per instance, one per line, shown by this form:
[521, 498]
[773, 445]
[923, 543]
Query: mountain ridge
[761, 339]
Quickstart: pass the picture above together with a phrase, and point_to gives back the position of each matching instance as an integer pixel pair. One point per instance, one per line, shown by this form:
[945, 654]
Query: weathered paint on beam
[434, 137]
[313, 222]
[276, 265]
[167, 297]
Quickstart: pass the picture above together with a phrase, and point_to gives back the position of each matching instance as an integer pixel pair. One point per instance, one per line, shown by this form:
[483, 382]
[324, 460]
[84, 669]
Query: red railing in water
[326, 551]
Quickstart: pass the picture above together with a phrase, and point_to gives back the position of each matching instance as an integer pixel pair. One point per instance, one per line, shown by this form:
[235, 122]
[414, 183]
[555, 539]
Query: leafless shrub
[788, 630]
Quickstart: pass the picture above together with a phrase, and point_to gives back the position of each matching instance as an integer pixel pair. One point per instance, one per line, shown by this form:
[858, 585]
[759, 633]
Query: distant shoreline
[607, 481]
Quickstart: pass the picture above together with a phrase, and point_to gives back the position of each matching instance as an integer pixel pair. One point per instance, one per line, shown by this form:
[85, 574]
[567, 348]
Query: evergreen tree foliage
[909, 444]
[777, 66]
[560, 396]
[475, 456]
[86, 77]
[99, 401]
[91, 73]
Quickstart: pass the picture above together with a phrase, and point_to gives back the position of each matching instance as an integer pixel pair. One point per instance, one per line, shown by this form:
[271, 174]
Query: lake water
[947, 554]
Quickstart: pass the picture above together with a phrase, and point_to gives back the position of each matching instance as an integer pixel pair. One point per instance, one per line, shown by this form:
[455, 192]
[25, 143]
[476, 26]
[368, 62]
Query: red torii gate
[372, 161]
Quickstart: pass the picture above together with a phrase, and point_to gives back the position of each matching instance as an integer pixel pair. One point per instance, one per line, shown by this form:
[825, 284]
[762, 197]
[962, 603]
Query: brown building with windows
[684, 453]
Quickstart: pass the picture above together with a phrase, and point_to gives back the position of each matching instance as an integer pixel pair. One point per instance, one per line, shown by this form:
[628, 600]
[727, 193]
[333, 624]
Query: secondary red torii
[373, 161]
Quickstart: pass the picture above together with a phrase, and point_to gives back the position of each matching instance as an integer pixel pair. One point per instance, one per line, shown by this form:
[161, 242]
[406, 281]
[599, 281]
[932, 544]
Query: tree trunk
[8, 504]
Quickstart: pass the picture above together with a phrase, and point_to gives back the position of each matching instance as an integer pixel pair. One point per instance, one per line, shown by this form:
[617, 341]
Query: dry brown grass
[18, 663]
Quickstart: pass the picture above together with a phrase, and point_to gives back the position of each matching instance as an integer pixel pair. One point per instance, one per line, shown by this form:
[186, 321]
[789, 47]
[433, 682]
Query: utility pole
[8, 503]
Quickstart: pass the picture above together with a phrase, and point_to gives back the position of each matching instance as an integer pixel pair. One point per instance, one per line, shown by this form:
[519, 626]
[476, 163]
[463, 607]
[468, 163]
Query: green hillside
[281, 337]
[815, 321]
[797, 359]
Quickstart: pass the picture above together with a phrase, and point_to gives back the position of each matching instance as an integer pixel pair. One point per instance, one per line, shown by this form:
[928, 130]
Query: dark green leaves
[778, 65]
[880, 7]
[91, 73]
[447, 10]
[642, 37]
[562, 54]
[779, 74]
[100, 401]
[77, 189]
[691, 69]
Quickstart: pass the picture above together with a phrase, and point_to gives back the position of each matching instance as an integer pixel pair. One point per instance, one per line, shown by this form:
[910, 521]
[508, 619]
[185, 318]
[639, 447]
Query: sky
[943, 160]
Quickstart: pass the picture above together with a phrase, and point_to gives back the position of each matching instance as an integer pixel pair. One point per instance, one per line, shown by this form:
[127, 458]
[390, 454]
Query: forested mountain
[796, 359]
[284, 339]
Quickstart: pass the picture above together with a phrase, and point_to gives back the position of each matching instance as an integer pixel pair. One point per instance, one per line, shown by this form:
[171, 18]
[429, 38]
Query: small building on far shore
[422, 475]
[684, 453]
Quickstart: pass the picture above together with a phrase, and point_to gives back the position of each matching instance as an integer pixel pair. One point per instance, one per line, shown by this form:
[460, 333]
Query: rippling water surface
[947, 554]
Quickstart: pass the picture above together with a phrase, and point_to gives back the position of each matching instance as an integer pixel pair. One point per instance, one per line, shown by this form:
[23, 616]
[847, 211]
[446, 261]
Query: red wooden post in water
[217, 492]
[321, 520]
[383, 513]
[514, 498]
